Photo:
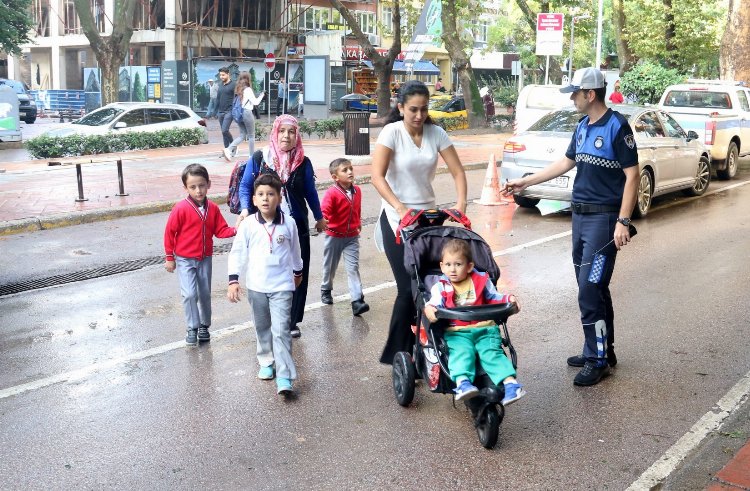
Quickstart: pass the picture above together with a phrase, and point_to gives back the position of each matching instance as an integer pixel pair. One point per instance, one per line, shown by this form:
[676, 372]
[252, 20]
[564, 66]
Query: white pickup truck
[720, 111]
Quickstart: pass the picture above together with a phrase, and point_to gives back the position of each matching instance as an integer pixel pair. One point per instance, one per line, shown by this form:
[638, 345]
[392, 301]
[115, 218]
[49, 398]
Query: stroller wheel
[403, 378]
[488, 425]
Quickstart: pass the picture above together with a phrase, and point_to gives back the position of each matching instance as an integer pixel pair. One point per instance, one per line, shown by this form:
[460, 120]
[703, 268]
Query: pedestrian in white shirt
[403, 168]
[267, 248]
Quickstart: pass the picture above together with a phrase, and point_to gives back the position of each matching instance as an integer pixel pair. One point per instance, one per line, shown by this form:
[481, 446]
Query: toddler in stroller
[461, 284]
[431, 356]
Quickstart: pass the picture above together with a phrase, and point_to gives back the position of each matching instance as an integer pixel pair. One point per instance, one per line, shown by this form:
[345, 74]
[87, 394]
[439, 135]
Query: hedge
[45, 147]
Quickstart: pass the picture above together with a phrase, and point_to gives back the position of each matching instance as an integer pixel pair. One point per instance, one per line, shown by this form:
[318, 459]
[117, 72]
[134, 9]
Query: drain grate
[110, 269]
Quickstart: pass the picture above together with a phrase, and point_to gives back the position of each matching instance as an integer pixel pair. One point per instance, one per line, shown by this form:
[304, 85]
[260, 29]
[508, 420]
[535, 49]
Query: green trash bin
[357, 133]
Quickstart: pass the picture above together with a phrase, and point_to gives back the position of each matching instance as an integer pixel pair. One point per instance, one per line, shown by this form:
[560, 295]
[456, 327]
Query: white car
[668, 158]
[133, 117]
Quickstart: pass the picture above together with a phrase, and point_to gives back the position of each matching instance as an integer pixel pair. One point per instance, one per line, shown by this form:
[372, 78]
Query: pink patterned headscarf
[284, 163]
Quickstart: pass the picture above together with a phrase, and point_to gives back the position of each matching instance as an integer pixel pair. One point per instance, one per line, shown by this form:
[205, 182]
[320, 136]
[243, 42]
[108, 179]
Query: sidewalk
[35, 196]
[735, 475]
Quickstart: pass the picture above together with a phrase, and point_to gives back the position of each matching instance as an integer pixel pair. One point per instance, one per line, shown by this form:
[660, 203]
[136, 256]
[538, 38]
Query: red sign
[549, 22]
[270, 61]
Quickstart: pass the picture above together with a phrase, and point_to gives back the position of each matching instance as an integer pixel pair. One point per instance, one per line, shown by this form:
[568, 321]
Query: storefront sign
[355, 53]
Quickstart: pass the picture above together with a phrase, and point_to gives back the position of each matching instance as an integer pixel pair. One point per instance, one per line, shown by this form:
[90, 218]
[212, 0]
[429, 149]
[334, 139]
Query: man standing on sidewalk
[213, 92]
[280, 97]
[224, 101]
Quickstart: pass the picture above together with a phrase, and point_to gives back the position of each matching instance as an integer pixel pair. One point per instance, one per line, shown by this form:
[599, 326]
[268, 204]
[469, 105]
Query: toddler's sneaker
[192, 337]
[465, 390]
[513, 392]
[283, 386]
[203, 334]
[265, 373]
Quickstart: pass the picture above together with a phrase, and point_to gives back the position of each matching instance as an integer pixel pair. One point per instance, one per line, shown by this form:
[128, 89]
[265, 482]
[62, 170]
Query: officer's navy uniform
[601, 151]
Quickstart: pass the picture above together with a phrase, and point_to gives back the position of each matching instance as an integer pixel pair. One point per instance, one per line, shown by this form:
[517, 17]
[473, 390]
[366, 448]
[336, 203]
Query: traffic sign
[549, 34]
[270, 62]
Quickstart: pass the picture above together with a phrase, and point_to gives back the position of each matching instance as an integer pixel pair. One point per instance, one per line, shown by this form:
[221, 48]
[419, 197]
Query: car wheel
[525, 202]
[702, 178]
[730, 170]
[29, 121]
[645, 190]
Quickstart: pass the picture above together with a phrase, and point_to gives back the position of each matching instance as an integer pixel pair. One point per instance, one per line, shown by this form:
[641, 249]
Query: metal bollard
[120, 180]
[79, 176]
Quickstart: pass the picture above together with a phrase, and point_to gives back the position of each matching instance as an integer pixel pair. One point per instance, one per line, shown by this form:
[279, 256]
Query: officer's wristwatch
[624, 221]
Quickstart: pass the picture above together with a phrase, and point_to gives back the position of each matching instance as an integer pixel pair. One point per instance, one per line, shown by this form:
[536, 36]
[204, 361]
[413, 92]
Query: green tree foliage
[698, 26]
[139, 89]
[646, 81]
[15, 25]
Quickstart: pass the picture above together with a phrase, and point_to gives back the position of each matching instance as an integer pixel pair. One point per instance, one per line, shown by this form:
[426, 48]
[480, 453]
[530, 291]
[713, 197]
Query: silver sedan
[669, 159]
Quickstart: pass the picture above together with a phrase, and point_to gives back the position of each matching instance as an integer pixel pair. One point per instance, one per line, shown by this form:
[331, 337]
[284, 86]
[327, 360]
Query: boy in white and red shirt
[188, 245]
[342, 207]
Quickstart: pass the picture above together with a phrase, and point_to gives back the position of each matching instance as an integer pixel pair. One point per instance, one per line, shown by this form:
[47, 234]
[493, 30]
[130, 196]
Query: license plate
[22, 115]
[558, 182]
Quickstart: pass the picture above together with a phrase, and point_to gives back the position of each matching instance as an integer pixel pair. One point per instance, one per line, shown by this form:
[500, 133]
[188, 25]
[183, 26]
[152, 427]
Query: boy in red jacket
[342, 207]
[188, 244]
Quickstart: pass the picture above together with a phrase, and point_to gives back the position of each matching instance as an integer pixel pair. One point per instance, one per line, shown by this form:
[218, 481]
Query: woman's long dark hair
[409, 89]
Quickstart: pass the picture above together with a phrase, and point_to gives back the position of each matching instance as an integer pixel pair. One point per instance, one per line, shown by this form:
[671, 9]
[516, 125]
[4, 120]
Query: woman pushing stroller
[462, 285]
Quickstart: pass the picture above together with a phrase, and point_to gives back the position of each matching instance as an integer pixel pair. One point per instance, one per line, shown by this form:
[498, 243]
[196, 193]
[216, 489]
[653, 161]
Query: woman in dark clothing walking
[285, 158]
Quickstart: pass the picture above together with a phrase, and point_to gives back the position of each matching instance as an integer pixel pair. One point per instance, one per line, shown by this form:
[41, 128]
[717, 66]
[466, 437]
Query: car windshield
[698, 98]
[453, 104]
[17, 86]
[546, 98]
[437, 103]
[100, 117]
[564, 121]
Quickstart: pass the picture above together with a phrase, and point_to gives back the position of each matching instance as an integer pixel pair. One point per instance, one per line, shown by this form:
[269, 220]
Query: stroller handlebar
[429, 218]
[498, 312]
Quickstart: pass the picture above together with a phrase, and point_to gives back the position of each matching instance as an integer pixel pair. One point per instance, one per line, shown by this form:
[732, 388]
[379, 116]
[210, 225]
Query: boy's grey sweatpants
[195, 287]
[271, 314]
[332, 250]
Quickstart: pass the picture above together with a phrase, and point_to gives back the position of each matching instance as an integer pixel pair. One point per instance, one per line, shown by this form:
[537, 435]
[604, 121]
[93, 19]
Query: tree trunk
[624, 54]
[734, 59]
[669, 46]
[110, 52]
[382, 65]
[462, 64]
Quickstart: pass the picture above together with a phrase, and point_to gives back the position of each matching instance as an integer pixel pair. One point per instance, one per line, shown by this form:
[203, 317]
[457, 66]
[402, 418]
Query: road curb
[33, 224]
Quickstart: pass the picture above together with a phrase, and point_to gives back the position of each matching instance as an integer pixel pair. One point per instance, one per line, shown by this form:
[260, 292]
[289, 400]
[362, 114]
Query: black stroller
[429, 360]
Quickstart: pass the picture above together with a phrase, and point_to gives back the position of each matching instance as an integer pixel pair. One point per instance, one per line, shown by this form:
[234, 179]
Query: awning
[421, 67]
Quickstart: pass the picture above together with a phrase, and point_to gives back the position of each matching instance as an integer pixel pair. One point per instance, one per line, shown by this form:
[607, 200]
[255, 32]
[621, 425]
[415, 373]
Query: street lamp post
[572, 32]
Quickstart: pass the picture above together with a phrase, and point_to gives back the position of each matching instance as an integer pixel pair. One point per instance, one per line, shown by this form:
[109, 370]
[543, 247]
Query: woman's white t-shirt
[411, 169]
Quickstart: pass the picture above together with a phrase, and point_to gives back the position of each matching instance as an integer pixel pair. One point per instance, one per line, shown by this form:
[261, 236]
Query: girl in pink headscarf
[285, 158]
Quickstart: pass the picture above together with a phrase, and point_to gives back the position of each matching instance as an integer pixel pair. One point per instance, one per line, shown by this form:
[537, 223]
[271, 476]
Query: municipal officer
[604, 192]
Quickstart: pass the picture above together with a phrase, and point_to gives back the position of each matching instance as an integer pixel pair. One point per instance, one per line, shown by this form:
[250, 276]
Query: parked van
[534, 101]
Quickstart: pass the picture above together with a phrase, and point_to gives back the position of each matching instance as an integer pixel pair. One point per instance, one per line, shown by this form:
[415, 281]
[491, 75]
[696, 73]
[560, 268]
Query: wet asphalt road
[97, 390]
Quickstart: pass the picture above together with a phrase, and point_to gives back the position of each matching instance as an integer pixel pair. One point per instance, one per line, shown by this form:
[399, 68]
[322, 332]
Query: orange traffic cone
[491, 194]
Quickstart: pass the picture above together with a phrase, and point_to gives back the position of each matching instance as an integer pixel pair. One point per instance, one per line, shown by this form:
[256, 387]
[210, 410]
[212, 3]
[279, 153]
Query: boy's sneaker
[227, 155]
[192, 337]
[283, 386]
[295, 332]
[359, 307]
[591, 374]
[203, 334]
[513, 392]
[326, 297]
[265, 373]
[465, 390]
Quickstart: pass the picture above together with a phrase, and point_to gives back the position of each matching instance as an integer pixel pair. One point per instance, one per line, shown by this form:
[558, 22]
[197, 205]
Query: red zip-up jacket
[189, 234]
[344, 214]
